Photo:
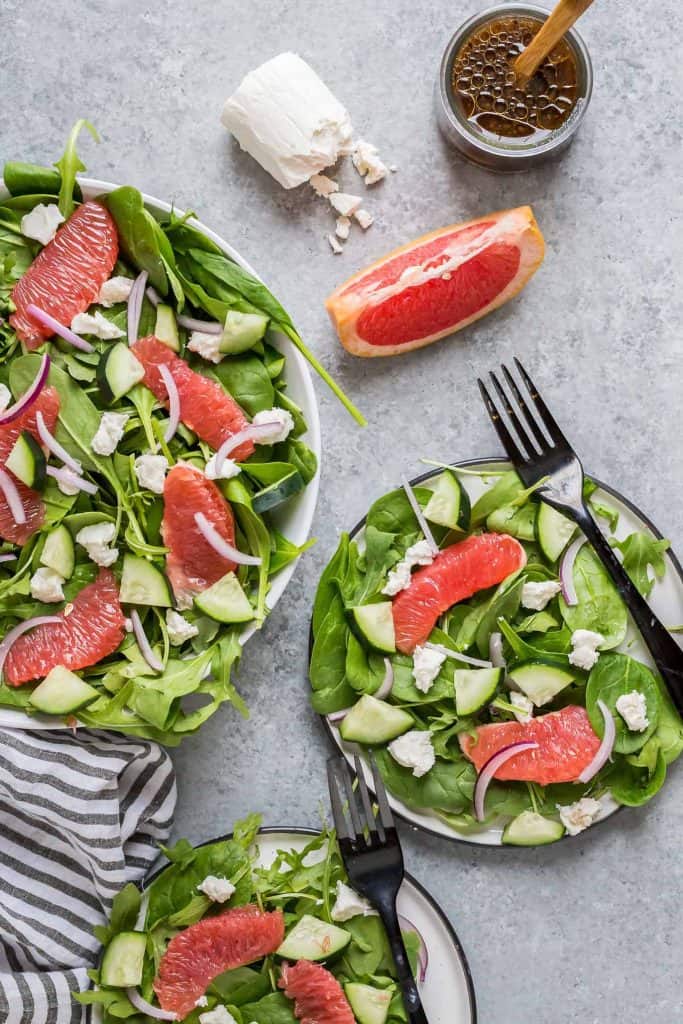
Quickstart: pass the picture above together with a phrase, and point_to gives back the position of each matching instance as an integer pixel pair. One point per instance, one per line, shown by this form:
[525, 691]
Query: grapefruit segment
[318, 996]
[566, 745]
[92, 627]
[66, 276]
[437, 284]
[47, 402]
[457, 572]
[192, 565]
[205, 406]
[197, 955]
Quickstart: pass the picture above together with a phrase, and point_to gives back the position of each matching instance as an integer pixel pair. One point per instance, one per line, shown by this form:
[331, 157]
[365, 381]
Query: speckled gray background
[588, 931]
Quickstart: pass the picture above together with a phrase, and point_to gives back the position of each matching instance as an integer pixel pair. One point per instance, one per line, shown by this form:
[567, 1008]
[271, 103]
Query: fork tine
[513, 418]
[336, 787]
[541, 439]
[385, 815]
[374, 827]
[544, 412]
[351, 799]
[504, 435]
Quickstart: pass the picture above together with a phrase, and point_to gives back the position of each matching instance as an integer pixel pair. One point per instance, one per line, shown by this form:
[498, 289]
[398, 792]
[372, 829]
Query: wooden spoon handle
[561, 19]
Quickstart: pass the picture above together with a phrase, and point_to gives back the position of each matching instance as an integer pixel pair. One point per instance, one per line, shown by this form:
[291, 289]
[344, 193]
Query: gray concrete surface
[588, 931]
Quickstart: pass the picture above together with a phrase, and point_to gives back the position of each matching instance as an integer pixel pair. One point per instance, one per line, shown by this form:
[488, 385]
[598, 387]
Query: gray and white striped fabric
[79, 817]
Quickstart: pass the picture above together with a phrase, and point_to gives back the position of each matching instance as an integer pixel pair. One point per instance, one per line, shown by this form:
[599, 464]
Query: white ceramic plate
[293, 519]
[666, 601]
[447, 991]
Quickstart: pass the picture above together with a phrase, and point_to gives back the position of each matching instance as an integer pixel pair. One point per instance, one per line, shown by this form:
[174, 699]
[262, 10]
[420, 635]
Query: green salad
[481, 650]
[217, 928]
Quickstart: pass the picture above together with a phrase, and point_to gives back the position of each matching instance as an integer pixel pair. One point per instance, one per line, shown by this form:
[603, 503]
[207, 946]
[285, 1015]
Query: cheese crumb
[322, 185]
[151, 472]
[342, 228]
[179, 629]
[5, 396]
[414, 750]
[336, 248]
[536, 595]
[41, 222]
[219, 1015]
[345, 204]
[364, 218]
[202, 1001]
[525, 707]
[219, 890]
[229, 469]
[349, 904]
[282, 424]
[109, 432]
[116, 289]
[46, 586]
[633, 709]
[578, 816]
[96, 325]
[206, 345]
[399, 577]
[96, 540]
[367, 162]
[426, 665]
[584, 653]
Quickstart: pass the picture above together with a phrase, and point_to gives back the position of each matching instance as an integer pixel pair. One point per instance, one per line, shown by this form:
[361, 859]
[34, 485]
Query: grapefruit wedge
[205, 406]
[437, 284]
[18, 533]
[197, 955]
[66, 276]
[457, 572]
[566, 745]
[318, 996]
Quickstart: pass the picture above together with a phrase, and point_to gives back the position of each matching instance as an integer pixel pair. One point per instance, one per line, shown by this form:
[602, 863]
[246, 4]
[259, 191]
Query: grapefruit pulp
[47, 402]
[66, 276]
[197, 955]
[566, 745]
[437, 284]
[457, 572]
[318, 996]
[91, 628]
[205, 406]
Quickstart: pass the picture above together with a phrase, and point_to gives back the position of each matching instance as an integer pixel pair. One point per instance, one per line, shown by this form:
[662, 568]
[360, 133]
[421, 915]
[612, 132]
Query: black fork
[538, 449]
[371, 852]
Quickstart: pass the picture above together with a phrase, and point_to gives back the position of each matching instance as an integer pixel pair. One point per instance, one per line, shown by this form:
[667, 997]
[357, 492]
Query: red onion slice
[567, 571]
[338, 716]
[8, 557]
[67, 477]
[53, 445]
[220, 545]
[29, 396]
[605, 748]
[137, 294]
[448, 653]
[190, 323]
[253, 432]
[20, 629]
[143, 1006]
[153, 295]
[422, 953]
[496, 650]
[490, 769]
[419, 515]
[144, 644]
[387, 683]
[173, 401]
[64, 332]
[12, 497]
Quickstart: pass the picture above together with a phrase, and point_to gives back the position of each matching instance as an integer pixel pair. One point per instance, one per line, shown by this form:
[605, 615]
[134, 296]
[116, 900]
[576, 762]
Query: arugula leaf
[123, 916]
[640, 552]
[183, 853]
[176, 886]
[69, 165]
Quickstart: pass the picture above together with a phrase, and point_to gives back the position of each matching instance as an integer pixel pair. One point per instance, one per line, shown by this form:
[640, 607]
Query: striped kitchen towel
[80, 815]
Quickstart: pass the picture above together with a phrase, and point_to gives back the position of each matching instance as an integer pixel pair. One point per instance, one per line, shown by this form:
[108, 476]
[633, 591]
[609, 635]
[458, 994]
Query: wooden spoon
[563, 16]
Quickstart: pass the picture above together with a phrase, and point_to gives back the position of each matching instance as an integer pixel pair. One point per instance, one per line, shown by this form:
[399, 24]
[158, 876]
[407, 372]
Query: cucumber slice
[58, 552]
[143, 583]
[313, 939]
[475, 687]
[277, 493]
[27, 461]
[518, 522]
[376, 624]
[225, 601]
[540, 680]
[374, 721]
[166, 327]
[61, 692]
[118, 371]
[449, 504]
[123, 960]
[241, 331]
[532, 829]
[553, 531]
[370, 1005]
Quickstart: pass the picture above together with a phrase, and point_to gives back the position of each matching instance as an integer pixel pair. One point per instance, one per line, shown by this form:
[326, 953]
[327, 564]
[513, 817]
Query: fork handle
[411, 996]
[666, 653]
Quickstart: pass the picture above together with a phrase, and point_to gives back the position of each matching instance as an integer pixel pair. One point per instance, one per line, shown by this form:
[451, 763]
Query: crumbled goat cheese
[42, 222]
[342, 228]
[229, 469]
[109, 432]
[536, 595]
[426, 665]
[178, 628]
[97, 325]
[282, 422]
[219, 1015]
[367, 162]
[322, 185]
[399, 577]
[202, 1001]
[96, 540]
[46, 585]
[577, 817]
[585, 643]
[5, 396]
[633, 709]
[67, 482]
[336, 248]
[349, 904]
[116, 289]
[345, 204]
[414, 750]
[525, 706]
[206, 346]
[364, 218]
[151, 472]
[219, 890]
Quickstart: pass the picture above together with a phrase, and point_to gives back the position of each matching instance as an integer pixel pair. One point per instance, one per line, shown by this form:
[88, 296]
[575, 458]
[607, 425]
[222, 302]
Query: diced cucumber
[541, 680]
[282, 490]
[313, 939]
[449, 504]
[61, 692]
[241, 331]
[376, 623]
[58, 551]
[532, 829]
[374, 721]
[143, 583]
[166, 327]
[518, 522]
[475, 687]
[553, 531]
[27, 461]
[118, 371]
[123, 960]
[225, 601]
[370, 1005]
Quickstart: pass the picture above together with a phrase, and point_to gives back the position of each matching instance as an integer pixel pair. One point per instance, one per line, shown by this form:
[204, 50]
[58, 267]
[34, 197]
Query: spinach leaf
[124, 912]
[640, 552]
[369, 951]
[669, 726]
[69, 165]
[240, 986]
[505, 489]
[447, 787]
[635, 780]
[327, 671]
[517, 521]
[275, 1008]
[22, 179]
[138, 234]
[328, 585]
[599, 607]
[503, 603]
[365, 670]
[302, 457]
[612, 676]
[257, 536]
[539, 622]
[247, 380]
